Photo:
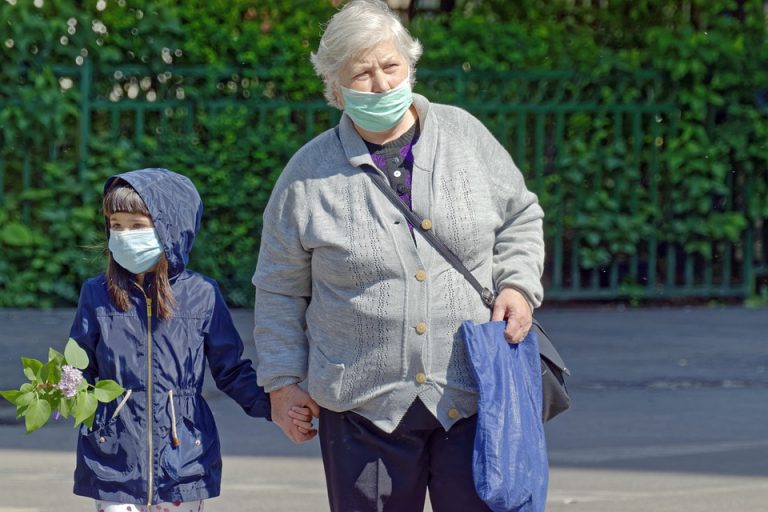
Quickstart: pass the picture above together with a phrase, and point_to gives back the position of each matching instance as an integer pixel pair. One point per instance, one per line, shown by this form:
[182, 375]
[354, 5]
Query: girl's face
[122, 221]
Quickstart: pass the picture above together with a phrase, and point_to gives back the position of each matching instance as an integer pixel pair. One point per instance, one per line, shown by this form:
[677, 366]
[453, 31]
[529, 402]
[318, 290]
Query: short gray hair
[359, 26]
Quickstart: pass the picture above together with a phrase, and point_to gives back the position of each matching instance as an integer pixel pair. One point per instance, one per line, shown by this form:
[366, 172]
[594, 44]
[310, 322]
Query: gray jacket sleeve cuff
[280, 382]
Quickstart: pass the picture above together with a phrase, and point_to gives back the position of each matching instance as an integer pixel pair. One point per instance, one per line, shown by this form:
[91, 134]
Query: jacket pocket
[196, 455]
[109, 451]
[325, 380]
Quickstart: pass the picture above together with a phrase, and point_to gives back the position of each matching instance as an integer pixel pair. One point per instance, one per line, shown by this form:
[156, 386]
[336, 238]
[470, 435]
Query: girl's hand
[302, 418]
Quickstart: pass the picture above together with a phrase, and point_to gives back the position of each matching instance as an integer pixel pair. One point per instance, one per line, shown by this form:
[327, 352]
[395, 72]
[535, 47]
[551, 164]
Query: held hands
[292, 411]
[512, 306]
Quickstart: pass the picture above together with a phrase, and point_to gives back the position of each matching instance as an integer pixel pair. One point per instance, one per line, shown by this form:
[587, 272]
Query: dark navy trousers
[368, 470]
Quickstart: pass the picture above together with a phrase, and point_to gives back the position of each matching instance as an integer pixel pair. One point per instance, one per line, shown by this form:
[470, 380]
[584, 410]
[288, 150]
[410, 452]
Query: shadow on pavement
[677, 390]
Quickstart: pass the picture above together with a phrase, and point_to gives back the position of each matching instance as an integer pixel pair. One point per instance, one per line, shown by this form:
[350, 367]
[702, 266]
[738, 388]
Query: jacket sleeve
[518, 255]
[283, 281]
[85, 330]
[233, 374]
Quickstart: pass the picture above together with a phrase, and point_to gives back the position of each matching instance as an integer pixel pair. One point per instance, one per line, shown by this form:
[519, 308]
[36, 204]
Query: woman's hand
[512, 306]
[289, 398]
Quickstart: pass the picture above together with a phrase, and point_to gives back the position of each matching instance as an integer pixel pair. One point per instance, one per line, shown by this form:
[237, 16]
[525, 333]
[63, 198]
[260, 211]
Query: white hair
[359, 26]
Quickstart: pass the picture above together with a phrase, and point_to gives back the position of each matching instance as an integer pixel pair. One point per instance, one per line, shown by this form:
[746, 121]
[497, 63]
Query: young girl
[151, 325]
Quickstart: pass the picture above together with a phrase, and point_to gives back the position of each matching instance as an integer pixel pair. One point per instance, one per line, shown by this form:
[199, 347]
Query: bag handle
[425, 228]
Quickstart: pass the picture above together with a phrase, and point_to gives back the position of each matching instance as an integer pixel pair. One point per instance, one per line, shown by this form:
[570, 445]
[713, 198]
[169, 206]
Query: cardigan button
[197, 442]
[426, 224]
[102, 440]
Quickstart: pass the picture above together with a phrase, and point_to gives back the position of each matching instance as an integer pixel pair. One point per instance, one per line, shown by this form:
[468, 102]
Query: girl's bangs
[123, 199]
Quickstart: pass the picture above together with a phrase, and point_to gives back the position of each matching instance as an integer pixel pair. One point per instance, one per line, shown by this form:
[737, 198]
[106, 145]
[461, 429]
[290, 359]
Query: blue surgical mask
[136, 250]
[378, 111]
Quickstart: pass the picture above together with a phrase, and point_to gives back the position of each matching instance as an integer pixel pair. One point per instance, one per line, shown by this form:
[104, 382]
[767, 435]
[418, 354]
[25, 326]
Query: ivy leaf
[37, 414]
[75, 355]
[107, 390]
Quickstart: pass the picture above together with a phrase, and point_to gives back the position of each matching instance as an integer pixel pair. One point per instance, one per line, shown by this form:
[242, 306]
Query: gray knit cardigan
[349, 302]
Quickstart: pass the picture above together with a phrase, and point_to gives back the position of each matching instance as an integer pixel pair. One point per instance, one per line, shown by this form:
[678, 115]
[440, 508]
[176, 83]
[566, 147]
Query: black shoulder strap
[425, 228]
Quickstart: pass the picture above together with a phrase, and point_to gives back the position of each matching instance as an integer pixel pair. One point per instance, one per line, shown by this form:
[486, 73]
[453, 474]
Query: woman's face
[377, 70]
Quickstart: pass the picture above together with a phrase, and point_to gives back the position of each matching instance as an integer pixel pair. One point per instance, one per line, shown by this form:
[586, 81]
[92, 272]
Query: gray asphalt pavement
[670, 413]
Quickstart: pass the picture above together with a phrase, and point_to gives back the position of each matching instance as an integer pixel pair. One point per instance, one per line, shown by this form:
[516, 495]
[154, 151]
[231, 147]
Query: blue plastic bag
[509, 462]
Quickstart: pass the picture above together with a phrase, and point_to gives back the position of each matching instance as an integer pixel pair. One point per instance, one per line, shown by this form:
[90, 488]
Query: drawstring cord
[121, 404]
[174, 437]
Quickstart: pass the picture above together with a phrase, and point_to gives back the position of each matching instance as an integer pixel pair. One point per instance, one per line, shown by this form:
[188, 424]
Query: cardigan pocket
[325, 380]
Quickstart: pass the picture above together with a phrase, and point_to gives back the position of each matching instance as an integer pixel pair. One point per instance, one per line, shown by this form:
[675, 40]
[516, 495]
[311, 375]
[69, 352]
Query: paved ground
[670, 414]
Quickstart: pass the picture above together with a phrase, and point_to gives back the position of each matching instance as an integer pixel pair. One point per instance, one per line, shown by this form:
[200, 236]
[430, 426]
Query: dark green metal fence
[586, 146]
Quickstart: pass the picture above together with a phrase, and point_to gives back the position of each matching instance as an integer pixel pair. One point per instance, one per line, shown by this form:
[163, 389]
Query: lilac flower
[70, 379]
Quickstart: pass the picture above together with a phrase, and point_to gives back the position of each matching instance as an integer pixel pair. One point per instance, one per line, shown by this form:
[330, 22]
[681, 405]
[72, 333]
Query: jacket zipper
[150, 406]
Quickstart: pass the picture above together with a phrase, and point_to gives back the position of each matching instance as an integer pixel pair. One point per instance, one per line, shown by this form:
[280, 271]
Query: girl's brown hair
[121, 197]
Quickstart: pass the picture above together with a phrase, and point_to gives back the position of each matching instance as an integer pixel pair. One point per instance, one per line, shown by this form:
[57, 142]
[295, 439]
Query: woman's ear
[338, 95]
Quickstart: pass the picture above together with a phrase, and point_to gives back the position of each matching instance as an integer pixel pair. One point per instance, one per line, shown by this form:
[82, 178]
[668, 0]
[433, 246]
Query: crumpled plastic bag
[509, 461]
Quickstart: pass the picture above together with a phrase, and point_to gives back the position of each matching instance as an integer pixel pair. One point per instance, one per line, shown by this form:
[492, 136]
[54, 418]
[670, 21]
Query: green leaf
[37, 414]
[10, 395]
[107, 390]
[55, 355]
[54, 372]
[31, 368]
[75, 355]
[25, 398]
[16, 234]
[65, 406]
[89, 420]
[48, 373]
[84, 407]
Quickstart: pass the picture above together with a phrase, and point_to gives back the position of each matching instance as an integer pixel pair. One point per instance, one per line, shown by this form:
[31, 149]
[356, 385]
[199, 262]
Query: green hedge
[710, 60]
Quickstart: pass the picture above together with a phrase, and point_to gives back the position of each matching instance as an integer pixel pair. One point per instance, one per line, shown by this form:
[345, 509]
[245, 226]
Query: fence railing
[585, 146]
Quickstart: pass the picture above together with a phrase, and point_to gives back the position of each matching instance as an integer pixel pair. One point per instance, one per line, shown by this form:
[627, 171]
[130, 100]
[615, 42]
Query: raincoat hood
[175, 207]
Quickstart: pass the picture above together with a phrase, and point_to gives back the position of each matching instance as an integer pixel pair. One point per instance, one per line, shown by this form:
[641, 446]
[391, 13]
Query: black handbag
[555, 398]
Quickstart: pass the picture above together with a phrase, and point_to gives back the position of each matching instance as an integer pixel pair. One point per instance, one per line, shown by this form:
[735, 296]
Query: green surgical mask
[378, 111]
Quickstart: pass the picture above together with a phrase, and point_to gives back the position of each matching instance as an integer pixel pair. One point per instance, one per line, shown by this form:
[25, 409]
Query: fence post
[86, 77]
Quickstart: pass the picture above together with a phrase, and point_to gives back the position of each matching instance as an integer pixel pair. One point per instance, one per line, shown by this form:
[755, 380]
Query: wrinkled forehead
[386, 49]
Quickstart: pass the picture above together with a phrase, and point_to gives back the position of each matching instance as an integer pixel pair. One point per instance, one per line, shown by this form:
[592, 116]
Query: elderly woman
[353, 301]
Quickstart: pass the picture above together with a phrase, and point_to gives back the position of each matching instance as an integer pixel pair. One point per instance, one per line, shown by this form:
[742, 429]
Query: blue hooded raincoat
[129, 457]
